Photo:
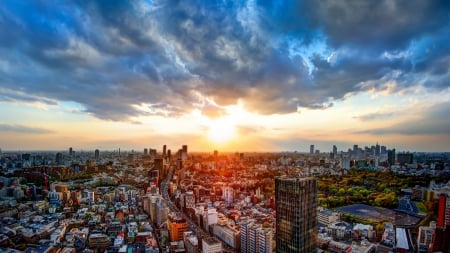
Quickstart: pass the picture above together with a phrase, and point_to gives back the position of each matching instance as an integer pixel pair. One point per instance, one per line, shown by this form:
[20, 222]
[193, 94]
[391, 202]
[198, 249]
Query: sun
[221, 130]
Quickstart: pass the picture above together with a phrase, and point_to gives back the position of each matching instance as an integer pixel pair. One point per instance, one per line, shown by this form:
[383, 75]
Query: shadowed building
[296, 214]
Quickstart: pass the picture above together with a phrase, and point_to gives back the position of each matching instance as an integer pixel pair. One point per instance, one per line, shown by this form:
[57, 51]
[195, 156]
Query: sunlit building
[177, 226]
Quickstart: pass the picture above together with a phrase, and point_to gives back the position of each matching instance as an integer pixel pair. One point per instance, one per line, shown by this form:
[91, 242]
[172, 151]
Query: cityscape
[370, 199]
[224, 126]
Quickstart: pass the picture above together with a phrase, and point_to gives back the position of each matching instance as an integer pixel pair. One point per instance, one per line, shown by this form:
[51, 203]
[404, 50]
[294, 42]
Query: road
[173, 208]
[199, 232]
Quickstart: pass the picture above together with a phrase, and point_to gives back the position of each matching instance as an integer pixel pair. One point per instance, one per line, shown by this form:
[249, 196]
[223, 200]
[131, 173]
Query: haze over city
[233, 76]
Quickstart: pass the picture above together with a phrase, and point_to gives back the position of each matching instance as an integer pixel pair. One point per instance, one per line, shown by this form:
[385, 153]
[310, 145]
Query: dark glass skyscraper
[296, 210]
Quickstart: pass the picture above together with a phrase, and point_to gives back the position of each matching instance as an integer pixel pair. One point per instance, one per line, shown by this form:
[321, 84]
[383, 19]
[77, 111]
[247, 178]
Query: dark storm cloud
[385, 24]
[23, 129]
[121, 59]
[435, 120]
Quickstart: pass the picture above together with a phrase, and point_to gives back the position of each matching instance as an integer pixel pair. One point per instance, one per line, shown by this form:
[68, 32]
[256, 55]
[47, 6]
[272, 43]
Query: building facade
[296, 214]
[176, 226]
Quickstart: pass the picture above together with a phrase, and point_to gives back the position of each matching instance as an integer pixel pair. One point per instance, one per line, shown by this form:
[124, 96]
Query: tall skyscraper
[355, 149]
[334, 150]
[59, 158]
[391, 156]
[164, 150]
[311, 149]
[97, 154]
[377, 149]
[296, 214]
[184, 152]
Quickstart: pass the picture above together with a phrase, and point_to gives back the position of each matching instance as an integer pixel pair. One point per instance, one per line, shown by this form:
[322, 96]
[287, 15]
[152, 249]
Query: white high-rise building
[227, 194]
[210, 217]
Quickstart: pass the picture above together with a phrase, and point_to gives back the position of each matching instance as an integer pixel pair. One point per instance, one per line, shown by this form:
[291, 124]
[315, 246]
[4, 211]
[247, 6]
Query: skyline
[227, 76]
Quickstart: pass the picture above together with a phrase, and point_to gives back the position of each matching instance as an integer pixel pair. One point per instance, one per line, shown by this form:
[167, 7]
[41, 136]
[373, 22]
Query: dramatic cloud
[385, 25]
[125, 59]
[23, 129]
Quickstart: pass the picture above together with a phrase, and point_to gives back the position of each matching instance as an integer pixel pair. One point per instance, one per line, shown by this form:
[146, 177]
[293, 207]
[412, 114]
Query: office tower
[164, 150]
[176, 226]
[154, 199]
[97, 154]
[179, 163]
[162, 211]
[355, 149]
[158, 164]
[311, 149]
[370, 151]
[145, 151]
[210, 217]
[59, 158]
[391, 156]
[70, 151]
[296, 214]
[405, 158]
[152, 153]
[130, 158]
[334, 150]
[377, 149]
[184, 152]
[227, 194]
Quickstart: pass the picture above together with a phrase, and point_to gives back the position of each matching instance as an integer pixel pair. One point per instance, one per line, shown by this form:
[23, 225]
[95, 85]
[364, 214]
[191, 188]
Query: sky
[226, 75]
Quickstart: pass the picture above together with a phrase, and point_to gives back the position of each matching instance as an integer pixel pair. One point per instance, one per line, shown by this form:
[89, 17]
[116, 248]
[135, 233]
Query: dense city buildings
[296, 214]
[119, 201]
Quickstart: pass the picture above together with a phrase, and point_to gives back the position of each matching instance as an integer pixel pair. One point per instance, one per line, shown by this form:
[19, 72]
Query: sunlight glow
[221, 130]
